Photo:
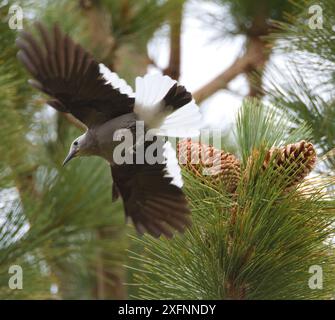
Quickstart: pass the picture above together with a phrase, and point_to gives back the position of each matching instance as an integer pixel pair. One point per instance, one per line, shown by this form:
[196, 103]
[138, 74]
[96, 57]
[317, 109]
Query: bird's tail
[166, 106]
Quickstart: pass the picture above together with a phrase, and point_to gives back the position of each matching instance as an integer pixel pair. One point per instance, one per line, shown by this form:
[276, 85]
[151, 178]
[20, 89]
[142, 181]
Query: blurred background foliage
[60, 224]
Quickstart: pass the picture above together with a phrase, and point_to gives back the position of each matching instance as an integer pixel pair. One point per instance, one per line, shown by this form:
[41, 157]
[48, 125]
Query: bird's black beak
[70, 156]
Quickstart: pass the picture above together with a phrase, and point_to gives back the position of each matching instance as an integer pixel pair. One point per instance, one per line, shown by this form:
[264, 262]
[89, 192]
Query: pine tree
[59, 224]
[260, 221]
[263, 242]
[305, 85]
[260, 243]
[48, 217]
[254, 20]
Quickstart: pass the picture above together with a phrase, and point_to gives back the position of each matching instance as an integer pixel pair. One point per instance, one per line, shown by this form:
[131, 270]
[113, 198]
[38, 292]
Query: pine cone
[206, 161]
[298, 158]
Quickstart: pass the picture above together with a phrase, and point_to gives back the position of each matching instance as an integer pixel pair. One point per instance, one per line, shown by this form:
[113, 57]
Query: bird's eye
[75, 143]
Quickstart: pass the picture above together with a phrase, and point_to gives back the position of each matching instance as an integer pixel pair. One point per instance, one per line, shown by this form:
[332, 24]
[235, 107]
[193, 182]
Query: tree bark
[102, 42]
[109, 281]
[78, 124]
[239, 66]
[173, 69]
[251, 64]
[256, 69]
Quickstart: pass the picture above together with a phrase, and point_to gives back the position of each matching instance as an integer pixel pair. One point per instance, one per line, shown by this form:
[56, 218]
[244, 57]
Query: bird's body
[145, 172]
[104, 144]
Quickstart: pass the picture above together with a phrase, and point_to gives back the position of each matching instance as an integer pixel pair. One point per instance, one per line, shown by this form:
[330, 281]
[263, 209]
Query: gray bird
[105, 104]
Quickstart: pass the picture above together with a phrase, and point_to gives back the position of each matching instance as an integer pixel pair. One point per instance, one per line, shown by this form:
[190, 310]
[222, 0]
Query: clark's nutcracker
[104, 103]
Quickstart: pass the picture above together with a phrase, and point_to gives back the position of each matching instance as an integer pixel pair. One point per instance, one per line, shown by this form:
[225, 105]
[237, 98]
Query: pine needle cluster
[259, 244]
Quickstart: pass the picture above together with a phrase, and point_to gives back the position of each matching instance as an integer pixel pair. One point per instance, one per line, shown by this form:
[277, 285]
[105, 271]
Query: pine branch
[258, 244]
[254, 22]
[305, 86]
[50, 222]
[173, 69]
[254, 58]
[99, 30]
[239, 66]
[255, 71]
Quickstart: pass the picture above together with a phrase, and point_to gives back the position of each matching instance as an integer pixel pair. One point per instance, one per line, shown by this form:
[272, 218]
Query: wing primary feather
[38, 85]
[50, 56]
[24, 46]
[173, 212]
[69, 74]
[70, 53]
[154, 231]
[22, 56]
[151, 200]
[59, 50]
[45, 37]
[27, 43]
[177, 224]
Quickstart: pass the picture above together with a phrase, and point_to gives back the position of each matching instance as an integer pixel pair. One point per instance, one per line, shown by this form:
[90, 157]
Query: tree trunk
[239, 66]
[173, 69]
[102, 42]
[255, 70]
[252, 63]
[109, 282]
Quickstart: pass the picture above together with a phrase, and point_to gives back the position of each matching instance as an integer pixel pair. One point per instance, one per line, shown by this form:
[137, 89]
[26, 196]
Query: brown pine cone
[298, 158]
[217, 166]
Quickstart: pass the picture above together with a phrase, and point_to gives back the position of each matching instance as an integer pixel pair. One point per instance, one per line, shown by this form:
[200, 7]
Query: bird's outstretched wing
[76, 82]
[152, 195]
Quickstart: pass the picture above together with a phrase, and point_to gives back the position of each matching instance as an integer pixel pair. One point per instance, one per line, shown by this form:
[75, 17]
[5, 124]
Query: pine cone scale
[298, 159]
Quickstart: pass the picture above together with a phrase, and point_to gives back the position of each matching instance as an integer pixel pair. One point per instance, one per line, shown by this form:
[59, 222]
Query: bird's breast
[115, 135]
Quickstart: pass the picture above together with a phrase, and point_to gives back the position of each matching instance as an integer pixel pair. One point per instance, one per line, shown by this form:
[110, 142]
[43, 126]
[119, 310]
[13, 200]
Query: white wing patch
[172, 167]
[116, 82]
[150, 91]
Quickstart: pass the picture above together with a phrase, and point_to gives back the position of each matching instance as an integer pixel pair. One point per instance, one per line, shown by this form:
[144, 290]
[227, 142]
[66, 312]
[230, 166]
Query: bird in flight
[77, 84]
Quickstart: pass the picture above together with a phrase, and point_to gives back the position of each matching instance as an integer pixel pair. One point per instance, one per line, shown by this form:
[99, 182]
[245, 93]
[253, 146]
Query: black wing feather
[177, 97]
[150, 200]
[70, 75]
[153, 203]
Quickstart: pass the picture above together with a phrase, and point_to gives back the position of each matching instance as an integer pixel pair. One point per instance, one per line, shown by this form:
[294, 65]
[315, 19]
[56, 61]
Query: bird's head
[78, 148]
